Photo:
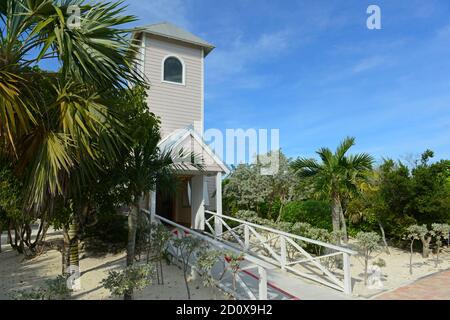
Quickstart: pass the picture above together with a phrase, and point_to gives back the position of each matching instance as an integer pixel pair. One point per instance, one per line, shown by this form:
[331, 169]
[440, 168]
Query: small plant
[186, 248]
[381, 263]
[157, 247]
[441, 232]
[54, 289]
[124, 283]
[233, 262]
[206, 260]
[366, 244]
[425, 236]
[412, 234]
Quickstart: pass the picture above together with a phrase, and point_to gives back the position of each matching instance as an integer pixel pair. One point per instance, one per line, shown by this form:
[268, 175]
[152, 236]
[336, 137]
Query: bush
[135, 277]
[316, 213]
[54, 289]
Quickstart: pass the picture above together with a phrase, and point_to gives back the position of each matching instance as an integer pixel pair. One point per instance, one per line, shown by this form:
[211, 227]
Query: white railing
[284, 250]
[238, 287]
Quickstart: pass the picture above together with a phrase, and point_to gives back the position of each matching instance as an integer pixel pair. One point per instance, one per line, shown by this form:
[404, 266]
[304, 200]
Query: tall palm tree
[336, 176]
[57, 126]
[46, 118]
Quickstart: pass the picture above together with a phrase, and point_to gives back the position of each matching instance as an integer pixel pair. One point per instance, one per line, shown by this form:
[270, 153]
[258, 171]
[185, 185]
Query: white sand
[396, 273]
[16, 273]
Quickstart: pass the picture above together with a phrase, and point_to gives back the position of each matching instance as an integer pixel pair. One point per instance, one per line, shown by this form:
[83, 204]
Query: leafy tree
[441, 232]
[336, 176]
[413, 234]
[431, 190]
[366, 244]
[59, 125]
[186, 248]
[159, 237]
[424, 235]
[315, 212]
[247, 189]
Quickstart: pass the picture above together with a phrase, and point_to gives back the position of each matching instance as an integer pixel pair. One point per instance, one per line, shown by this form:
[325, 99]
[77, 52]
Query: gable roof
[171, 31]
[179, 137]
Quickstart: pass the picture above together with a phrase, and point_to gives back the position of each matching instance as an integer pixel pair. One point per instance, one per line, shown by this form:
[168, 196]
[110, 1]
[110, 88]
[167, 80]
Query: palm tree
[58, 127]
[44, 117]
[337, 176]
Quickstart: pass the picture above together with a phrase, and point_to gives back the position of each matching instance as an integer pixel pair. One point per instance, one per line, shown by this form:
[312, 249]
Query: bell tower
[173, 62]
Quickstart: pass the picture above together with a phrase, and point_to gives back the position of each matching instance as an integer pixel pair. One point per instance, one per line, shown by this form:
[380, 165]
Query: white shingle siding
[177, 105]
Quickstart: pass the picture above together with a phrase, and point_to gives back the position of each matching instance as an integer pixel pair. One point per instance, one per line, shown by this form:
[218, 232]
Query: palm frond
[345, 145]
[306, 167]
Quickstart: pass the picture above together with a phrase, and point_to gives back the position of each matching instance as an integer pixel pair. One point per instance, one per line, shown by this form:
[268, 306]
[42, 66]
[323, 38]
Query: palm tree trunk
[343, 225]
[335, 216]
[74, 257]
[132, 229]
[383, 236]
[131, 246]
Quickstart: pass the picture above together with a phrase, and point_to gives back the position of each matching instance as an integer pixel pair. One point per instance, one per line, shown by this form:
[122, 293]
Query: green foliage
[206, 260]
[186, 247]
[316, 213]
[135, 277]
[366, 244]
[336, 177]
[159, 239]
[379, 263]
[54, 289]
[441, 232]
[398, 197]
[10, 193]
[247, 189]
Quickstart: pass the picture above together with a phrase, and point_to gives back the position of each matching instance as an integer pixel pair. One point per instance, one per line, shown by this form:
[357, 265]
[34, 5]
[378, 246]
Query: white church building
[173, 63]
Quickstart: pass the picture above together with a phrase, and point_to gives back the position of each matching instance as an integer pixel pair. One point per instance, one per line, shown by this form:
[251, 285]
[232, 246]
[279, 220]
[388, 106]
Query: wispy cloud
[243, 53]
[368, 64]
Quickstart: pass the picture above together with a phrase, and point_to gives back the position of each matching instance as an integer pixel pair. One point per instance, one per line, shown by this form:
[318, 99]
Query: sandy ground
[396, 272]
[17, 273]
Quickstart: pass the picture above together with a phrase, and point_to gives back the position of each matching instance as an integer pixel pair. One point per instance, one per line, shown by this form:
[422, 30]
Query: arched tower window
[173, 70]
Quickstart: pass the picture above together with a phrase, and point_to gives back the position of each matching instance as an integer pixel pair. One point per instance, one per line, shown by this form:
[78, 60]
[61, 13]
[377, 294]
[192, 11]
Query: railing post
[347, 274]
[152, 207]
[246, 237]
[218, 227]
[217, 222]
[262, 290]
[283, 253]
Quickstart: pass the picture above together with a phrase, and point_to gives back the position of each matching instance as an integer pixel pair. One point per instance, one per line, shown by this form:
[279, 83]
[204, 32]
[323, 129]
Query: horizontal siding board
[177, 106]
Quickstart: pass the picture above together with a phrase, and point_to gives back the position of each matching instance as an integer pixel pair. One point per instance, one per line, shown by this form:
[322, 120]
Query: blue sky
[313, 70]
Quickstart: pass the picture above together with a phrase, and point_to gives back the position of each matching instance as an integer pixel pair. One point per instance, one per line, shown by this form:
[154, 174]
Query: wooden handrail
[289, 235]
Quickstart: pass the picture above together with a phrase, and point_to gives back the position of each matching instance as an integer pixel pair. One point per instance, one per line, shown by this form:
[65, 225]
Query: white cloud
[368, 64]
[242, 53]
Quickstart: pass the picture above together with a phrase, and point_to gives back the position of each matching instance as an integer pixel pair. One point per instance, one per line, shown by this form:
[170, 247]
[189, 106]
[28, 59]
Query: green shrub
[316, 213]
[135, 277]
[54, 289]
